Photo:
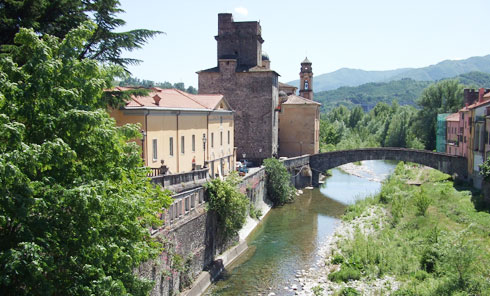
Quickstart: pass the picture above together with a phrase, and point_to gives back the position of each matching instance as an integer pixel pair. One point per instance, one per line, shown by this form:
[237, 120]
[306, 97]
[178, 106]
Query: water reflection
[288, 238]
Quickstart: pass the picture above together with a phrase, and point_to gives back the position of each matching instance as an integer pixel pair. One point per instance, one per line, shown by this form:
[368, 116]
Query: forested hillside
[356, 77]
[405, 91]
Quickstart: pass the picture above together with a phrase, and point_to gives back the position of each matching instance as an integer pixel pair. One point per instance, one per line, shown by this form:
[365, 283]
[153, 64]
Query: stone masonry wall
[450, 164]
[190, 245]
[253, 96]
[195, 240]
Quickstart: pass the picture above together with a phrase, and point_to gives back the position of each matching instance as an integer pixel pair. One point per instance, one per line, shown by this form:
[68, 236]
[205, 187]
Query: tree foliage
[75, 202]
[228, 203]
[279, 188]
[58, 17]
[442, 97]
[134, 81]
[384, 125]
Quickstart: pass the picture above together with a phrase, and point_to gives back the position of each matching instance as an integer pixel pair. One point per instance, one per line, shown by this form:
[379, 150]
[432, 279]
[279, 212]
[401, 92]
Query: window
[182, 144]
[155, 151]
[229, 137]
[193, 143]
[464, 139]
[306, 84]
[221, 138]
[212, 140]
[171, 144]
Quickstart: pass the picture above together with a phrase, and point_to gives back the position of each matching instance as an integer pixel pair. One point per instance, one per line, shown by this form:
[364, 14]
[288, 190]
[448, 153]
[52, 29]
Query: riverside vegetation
[231, 206]
[429, 238]
[391, 125]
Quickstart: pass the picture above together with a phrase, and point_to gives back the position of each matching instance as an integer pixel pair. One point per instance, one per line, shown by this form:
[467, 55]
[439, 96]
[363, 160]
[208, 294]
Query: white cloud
[241, 10]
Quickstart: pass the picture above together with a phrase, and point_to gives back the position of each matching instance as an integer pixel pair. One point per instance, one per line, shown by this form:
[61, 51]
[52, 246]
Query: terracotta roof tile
[174, 98]
[297, 100]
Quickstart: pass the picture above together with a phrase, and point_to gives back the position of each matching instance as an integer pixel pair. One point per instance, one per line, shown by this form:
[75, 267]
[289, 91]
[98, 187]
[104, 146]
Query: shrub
[422, 202]
[229, 204]
[345, 274]
[337, 259]
[254, 213]
[397, 209]
[317, 290]
[279, 189]
[349, 291]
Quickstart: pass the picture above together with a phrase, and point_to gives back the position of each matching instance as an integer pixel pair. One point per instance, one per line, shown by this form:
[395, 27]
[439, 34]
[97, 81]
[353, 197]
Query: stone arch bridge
[457, 166]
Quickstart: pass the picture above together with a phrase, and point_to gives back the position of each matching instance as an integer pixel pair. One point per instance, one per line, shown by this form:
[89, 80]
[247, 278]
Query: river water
[288, 238]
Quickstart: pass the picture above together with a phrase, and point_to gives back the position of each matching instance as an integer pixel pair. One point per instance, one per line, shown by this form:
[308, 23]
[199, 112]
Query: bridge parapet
[449, 164]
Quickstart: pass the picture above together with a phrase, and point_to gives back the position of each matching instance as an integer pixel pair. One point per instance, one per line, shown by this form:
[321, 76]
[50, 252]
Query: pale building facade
[299, 117]
[454, 135]
[184, 131]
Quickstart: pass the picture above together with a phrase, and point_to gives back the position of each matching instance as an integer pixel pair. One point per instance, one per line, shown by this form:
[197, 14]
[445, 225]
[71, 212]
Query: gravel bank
[317, 276]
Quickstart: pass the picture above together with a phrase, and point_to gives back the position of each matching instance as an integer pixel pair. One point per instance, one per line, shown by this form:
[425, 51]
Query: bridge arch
[450, 164]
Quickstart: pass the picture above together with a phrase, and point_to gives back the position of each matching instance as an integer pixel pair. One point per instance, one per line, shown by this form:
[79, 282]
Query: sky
[360, 34]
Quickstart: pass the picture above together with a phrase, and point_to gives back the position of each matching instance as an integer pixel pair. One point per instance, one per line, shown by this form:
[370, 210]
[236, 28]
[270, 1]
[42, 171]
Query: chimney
[157, 99]
[481, 92]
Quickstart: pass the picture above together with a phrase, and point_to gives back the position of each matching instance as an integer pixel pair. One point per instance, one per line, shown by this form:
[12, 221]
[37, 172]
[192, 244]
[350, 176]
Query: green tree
[191, 90]
[442, 97]
[58, 17]
[355, 116]
[328, 133]
[228, 203]
[279, 188]
[75, 202]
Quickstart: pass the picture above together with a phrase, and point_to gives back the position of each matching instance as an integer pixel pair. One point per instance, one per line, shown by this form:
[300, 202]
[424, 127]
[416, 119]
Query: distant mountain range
[405, 91]
[355, 77]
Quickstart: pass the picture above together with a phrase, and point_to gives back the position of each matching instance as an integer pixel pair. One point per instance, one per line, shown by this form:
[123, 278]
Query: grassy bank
[433, 240]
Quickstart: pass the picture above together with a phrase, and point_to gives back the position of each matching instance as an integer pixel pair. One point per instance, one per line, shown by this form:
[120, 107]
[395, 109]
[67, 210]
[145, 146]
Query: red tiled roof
[174, 99]
[478, 104]
[297, 100]
[286, 85]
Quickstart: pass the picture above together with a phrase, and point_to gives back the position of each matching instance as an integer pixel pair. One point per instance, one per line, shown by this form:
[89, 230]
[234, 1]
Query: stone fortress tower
[244, 77]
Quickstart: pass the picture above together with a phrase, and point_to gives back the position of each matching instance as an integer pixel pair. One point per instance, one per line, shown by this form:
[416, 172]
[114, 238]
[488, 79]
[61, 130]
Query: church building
[299, 118]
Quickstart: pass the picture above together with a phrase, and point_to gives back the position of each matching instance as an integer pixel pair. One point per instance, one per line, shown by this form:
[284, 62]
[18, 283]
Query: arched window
[306, 84]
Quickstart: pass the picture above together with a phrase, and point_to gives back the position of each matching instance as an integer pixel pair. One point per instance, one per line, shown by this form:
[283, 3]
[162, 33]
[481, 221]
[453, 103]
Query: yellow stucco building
[182, 130]
[299, 117]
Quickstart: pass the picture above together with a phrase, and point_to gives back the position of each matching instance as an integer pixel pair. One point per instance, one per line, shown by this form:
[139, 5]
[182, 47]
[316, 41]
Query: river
[288, 238]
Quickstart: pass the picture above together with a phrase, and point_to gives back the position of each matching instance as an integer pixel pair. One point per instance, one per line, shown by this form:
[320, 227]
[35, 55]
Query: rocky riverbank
[362, 171]
[315, 280]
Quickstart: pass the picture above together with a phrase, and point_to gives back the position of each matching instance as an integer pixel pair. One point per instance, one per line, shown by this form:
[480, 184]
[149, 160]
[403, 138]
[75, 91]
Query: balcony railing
[173, 179]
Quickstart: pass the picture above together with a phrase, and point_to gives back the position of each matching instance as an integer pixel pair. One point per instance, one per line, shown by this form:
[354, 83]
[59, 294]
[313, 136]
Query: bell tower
[306, 80]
